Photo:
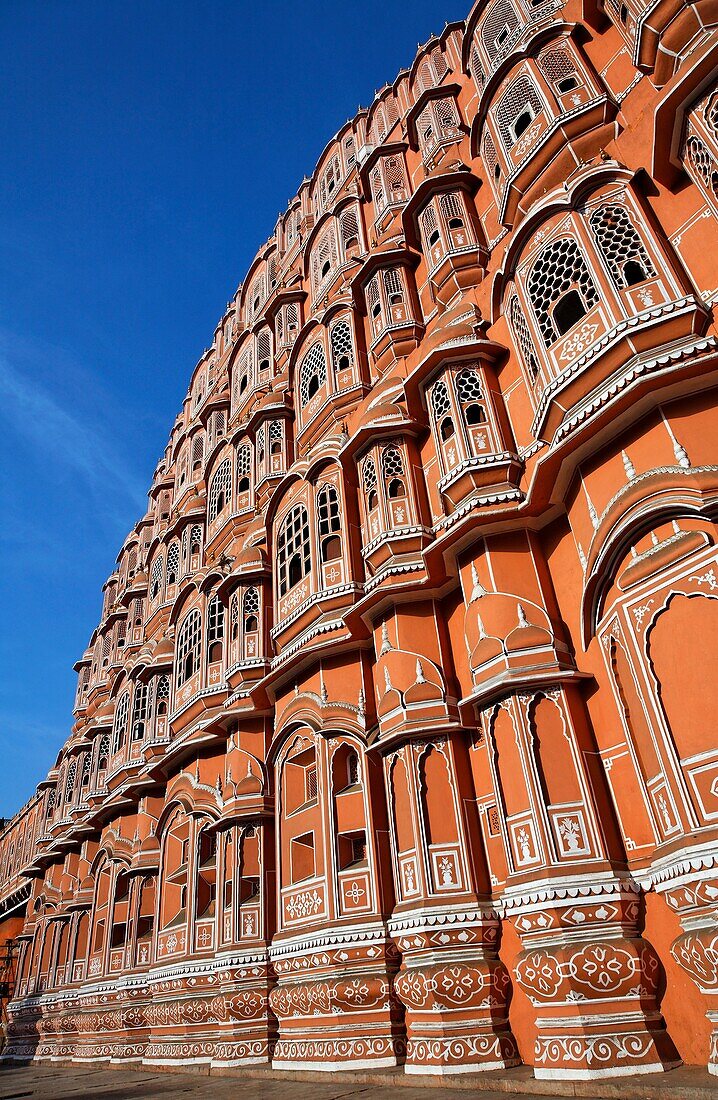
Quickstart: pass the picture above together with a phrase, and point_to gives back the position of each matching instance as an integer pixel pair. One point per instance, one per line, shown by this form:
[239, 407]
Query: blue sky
[148, 148]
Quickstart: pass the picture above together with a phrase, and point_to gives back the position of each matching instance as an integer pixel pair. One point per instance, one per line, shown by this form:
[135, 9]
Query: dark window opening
[568, 311]
[475, 414]
[633, 273]
[522, 122]
[396, 488]
[331, 548]
[567, 84]
[447, 428]
[295, 570]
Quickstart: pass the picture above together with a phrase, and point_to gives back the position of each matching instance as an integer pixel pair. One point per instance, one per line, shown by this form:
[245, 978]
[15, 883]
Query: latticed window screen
[428, 226]
[519, 96]
[377, 189]
[275, 435]
[490, 158]
[156, 577]
[103, 750]
[498, 27]
[619, 242]
[140, 710]
[523, 335]
[349, 224]
[393, 285]
[215, 621]
[312, 374]
[189, 641]
[371, 292]
[70, 781]
[163, 690]
[560, 267]
[173, 559]
[395, 178]
[328, 511]
[256, 295]
[477, 69]
[197, 449]
[440, 401]
[324, 258]
[468, 386]
[451, 206]
[392, 464]
[86, 768]
[195, 539]
[557, 64]
[121, 719]
[369, 475]
[703, 164]
[220, 492]
[293, 549]
[341, 343]
[250, 602]
[244, 467]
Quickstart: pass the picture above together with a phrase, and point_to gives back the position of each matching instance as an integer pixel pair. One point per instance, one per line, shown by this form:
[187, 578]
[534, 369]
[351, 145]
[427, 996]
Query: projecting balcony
[604, 353]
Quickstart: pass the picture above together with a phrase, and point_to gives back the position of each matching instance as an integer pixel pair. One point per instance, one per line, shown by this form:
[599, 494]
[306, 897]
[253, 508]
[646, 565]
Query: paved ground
[87, 1083]
[56, 1082]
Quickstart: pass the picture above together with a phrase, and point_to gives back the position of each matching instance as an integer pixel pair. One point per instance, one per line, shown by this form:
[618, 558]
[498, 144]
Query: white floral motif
[579, 341]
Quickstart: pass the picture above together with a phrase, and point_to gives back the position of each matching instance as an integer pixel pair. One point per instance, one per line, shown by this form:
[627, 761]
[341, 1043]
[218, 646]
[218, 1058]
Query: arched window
[517, 109]
[559, 69]
[497, 28]
[121, 719]
[349, 225]
[330, 543]
[244, 468]
[441, 409]
[312, 374]
[188, 647]
[70, 781]
[250, 610]
[197, 452]
[392, 468]
[139, 710]
[163, 695]
[220, 492]
[215, 629]
[470, 396]
[620, 245]
[370, 483]
[523, 336]
[234, 618]
[560, 288]
[293, 549]
[173, 560]
[275, 437]
[195, 539]
[264, 351]
[341, 343]
[103, 753]
[156, 577]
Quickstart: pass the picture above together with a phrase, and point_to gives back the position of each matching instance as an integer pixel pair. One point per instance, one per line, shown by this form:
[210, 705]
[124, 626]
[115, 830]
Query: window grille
[264, 350]
[451, 206]
[558, 66]
[349, 154]
[393, 285]
[559, 268]
[103, 752]
[349, 224]
[312, 374]
[477, 69]
[156, 577]
[86, 768]
[468, 386]
[428, 226]
[440, 402]
[188, 647]
[703, 165]
[173, 559]
[621, 246]
[377, 189]
[215, 627]
[499, 25]
[195, 539]
[121, 717]
[292, 321]
[250, 603]
[106, 647]
[70, 781]
[293, 549]
[392, 464]
[425, 78]
[373, 303]
[256, 295]
[242, 380]
[261, 436]
[490, 158]
[519, 97]
[275, 437]
[395, 179]
[329, 517]
[244, 467]
[139, 710]
[220, 492]
[341, 343]
[369, 475]
[234, 617]
[197, 450]
[523, 335]
[324, 258]
[137, 612]
[163, 691]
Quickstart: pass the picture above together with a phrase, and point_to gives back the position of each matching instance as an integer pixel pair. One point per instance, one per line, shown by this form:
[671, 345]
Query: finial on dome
[387, 679]
[478, 589]
[523, 621]
[420, 677]
[385, 643]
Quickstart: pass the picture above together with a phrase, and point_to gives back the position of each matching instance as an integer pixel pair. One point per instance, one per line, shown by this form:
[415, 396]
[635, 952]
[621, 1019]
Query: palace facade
[395, 743]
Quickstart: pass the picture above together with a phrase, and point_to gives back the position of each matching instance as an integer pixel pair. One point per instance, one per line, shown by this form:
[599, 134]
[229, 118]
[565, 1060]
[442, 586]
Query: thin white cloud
[64, 438]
